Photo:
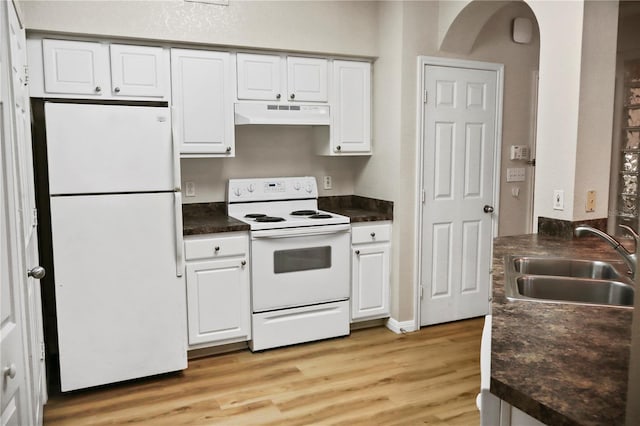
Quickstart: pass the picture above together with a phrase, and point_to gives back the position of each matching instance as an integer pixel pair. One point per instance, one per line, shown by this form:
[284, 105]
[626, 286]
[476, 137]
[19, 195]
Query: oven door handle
[295, 232]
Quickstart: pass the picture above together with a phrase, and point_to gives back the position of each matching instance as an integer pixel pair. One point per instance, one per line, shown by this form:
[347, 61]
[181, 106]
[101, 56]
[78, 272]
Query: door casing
[423, 61]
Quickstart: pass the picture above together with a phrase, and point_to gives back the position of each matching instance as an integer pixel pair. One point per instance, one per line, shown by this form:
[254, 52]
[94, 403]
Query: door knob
[10, 371]
[488, 209]
[38, 272]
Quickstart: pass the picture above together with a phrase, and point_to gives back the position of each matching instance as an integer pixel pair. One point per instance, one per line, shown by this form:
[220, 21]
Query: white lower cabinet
[370, 255]
[218, 299]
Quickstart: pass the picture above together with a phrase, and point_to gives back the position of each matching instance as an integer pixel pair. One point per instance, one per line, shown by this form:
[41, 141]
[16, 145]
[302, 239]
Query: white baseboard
[400, 327]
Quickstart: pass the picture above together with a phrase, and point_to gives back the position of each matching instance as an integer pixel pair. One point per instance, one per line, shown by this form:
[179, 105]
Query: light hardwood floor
[372, 377]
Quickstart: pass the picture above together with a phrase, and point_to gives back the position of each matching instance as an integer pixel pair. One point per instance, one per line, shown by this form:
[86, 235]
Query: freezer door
[121, 310]
[96, 149]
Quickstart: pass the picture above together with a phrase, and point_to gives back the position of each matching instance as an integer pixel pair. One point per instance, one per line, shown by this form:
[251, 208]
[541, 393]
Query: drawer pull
[216, 249]
[358, 252]
[373, 235]
[243, 263]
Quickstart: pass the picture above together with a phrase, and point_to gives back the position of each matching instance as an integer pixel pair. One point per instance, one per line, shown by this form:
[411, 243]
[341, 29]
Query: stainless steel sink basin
[578, 290]
[560, 280]
[565, 267]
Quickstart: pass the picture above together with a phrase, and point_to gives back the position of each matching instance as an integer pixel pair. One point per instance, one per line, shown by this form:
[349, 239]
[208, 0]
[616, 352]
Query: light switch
[515, 174]
[558, 199]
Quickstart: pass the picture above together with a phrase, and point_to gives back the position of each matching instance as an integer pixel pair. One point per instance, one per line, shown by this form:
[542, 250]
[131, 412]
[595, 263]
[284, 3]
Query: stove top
[274, 203]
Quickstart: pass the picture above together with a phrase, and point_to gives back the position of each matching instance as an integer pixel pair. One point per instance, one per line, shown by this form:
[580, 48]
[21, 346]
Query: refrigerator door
[96, 149]
[121, 310]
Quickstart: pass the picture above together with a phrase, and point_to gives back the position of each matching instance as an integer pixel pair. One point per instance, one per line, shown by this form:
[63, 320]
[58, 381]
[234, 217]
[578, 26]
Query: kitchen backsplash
[269, 151]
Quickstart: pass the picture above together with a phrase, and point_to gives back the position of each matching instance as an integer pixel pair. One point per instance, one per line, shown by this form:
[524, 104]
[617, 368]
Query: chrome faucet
[631, 259]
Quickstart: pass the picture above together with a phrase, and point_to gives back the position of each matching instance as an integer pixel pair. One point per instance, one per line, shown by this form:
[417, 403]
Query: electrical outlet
[558, 199]
[190, 189]
[591, 202]
[327, 182]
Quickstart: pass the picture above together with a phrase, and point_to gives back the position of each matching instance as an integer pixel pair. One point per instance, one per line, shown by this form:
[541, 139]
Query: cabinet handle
[228, 149]
[216, 249]
[373, 235]
[98, 89]
[338, 148]
[292, 96]
[358, 252]
[244, 262]
[117, 90]
[278, 96]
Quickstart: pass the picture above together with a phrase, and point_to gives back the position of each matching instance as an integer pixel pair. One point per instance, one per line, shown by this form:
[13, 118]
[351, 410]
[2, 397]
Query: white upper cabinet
[282, 78]
[138, 70]
[97, 70]
[351, 107]
[259, 77]
[76, 67]
[307, 79]
[202, 90]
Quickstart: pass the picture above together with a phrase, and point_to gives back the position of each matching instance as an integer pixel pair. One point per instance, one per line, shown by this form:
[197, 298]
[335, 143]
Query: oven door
[299, 266]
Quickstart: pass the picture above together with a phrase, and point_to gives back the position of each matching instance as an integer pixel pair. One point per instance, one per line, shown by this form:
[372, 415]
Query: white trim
[400, 327]
[457, 63]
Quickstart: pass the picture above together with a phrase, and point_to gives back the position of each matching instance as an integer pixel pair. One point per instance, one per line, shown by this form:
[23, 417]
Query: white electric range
[300, 261]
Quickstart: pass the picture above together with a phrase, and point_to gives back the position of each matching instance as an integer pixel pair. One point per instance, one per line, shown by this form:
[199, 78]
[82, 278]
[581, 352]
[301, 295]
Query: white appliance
[117, 242]
[266, 113]
[300, 261]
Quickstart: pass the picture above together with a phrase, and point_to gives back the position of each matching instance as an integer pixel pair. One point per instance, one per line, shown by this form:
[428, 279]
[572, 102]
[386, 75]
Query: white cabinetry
[371, 250]
[202, 86]
[350, 99]
[278, 78]
[97, 70]
[218, 301]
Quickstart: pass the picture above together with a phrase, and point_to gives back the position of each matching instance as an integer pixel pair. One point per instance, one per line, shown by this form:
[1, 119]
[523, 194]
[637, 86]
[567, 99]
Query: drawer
[201, 247]
[370, 233]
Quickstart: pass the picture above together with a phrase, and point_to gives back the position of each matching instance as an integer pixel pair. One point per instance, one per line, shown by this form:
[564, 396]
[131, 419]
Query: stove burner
[254, 215]
[269, 219]
[303, 212]
[320, 216]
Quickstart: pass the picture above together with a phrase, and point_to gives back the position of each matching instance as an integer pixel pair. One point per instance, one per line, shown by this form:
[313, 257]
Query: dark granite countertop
[209, 218]
[357, 208]
[563, 364]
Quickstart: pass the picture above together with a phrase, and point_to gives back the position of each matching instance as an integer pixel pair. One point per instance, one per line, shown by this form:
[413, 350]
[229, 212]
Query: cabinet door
[203, 102]
[139, 70]
[218, 301]
[307, 79]
[370, 282]
[76, 67]
[351, 107]
[259, 77]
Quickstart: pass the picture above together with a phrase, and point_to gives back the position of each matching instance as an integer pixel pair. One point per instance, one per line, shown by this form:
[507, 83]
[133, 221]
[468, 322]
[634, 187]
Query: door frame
[424, 61]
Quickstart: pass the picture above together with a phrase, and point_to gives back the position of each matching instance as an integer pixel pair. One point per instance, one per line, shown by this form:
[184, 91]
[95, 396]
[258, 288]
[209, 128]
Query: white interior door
[458, 182]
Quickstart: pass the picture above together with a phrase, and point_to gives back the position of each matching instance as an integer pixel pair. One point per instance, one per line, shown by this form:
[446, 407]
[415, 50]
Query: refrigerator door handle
[176, 148]
[177, 199]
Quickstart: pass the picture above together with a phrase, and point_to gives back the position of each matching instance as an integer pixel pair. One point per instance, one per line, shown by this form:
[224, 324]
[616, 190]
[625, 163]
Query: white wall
[269, 151]
[340, 27]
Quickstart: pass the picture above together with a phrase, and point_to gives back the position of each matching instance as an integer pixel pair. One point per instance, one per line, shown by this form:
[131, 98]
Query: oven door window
[301, 259]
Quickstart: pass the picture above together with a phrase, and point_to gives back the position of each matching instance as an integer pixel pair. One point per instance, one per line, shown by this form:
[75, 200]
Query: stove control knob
[296, 186]
[237, 192]
[308, 188]
[251, 187]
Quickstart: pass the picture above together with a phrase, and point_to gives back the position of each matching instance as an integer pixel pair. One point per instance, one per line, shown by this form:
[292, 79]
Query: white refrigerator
[117, 242]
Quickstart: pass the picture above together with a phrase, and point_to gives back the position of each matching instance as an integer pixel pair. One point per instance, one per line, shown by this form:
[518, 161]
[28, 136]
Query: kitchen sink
[559, 280]
[578, 290]
[565, 267]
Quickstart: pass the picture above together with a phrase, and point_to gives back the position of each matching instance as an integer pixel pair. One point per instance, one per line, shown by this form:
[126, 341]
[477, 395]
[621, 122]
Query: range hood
[267, 113]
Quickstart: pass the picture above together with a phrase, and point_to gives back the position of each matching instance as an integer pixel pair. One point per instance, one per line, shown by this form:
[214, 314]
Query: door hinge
[426, 97]
[26, 75]
[421, 292]
[423, 196]
[42, 351]
[35, 218]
